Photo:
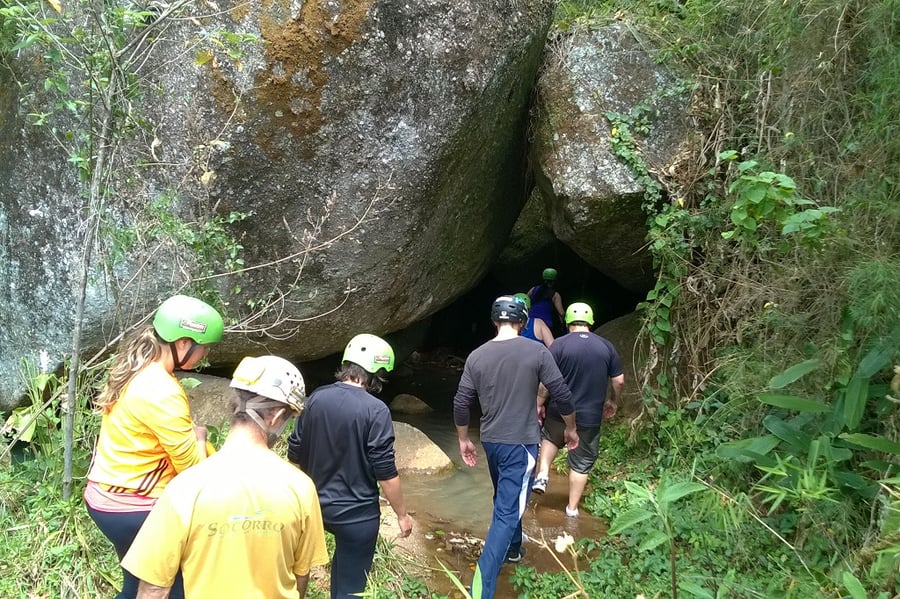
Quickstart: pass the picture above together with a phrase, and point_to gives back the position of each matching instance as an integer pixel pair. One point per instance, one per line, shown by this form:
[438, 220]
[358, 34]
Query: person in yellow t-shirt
[245, 522]
[146, 432]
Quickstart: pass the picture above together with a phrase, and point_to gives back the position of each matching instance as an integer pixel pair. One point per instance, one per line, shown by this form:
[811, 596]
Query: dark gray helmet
[507, 308]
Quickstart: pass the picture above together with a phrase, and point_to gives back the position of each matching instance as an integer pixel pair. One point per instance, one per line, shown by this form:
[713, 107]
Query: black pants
[121, 528]
[354, 549]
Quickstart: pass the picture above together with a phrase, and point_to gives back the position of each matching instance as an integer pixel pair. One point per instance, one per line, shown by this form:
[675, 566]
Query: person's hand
[542, 413]
[467, 452]
[571, 436]
[609, 409]
[406, 524]
[200, 433]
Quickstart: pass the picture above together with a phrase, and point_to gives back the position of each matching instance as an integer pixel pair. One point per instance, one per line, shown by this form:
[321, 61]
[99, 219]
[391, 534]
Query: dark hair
[243, 396]
[351, 371]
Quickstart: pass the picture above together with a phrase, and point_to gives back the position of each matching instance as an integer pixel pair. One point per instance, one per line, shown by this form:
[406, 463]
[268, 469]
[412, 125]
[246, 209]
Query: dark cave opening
[465, 324]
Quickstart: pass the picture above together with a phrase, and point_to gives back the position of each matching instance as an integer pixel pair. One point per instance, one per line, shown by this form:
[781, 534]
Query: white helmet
[271, 377]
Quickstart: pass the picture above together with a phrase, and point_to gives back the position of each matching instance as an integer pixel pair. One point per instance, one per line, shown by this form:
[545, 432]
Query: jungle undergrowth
[772, 332]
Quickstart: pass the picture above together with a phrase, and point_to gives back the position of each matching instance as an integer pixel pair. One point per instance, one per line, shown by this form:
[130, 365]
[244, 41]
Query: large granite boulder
[212, 400]
[623, 333]
[531, 235]
[415, 453]
[211, 406]
[405, 403]
[593, 198]
[316, 168]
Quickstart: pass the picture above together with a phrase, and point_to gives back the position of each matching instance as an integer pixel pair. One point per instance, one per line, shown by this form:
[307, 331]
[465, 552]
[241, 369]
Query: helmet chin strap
[178, 364]
[272, 433]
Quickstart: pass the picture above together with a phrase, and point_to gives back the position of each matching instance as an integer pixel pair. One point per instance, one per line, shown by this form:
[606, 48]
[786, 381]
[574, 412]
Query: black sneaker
[539, 485]
[515, 557]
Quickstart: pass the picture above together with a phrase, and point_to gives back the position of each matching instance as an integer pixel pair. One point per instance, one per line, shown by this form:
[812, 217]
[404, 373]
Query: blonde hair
[138, 349]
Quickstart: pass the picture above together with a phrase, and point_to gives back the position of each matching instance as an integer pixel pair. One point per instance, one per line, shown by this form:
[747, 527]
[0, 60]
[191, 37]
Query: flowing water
[459, 504]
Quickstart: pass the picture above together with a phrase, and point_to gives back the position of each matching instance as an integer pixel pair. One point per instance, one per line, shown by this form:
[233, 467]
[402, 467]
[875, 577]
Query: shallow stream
[459, 504]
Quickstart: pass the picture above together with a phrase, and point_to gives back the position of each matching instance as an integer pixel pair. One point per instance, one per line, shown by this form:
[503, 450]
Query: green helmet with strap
[579, 312]
[525, 299]
[185, 316]
[370, 352]
[549, 274]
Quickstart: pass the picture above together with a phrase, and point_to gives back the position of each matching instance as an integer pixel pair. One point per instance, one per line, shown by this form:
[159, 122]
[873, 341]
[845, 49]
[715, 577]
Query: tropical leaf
[748, 450]
[877, 443]
[630, 518]
[189, 382]
[637, 490]
[880, 356]
[695, 590]
[854, 586]
[855, 396]
[673, 493]
[792, 402]
[797, 439]
[794, 373]
[653, 540]
[861, 484]
[457, 583]
[745, 456]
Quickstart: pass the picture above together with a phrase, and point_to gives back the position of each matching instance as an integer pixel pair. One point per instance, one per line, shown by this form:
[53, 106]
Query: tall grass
[50, 547]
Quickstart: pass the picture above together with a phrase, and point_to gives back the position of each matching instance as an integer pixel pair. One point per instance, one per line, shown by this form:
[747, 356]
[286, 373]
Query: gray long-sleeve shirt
[503, 376]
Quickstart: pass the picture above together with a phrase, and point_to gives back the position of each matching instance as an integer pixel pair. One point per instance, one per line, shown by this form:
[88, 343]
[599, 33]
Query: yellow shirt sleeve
[155, 554]
[312, 550]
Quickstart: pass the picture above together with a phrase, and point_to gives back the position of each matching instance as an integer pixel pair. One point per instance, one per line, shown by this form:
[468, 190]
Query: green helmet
[372, 353]
[525, 299]
[184, 316]
[549, 274]
[579, 312]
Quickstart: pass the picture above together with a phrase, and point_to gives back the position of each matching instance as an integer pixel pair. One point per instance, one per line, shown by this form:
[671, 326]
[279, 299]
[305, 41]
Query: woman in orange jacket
[146, 432]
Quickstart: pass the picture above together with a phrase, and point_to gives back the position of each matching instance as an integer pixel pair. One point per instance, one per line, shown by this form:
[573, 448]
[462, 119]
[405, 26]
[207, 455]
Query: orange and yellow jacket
[146, 437]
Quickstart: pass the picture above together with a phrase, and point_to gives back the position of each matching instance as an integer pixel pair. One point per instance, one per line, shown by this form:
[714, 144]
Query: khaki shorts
[582, 458]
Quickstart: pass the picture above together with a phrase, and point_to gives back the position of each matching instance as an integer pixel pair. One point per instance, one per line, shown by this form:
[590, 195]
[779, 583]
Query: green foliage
[765, 203]
[20, 26]
[208, 239]
[655, 505]
[773, 320]
[35, 423]
[51, 546]
[232, 45]
[532, 585]
[394, 575]
[874, 296]
[671, 229]
[810, 453]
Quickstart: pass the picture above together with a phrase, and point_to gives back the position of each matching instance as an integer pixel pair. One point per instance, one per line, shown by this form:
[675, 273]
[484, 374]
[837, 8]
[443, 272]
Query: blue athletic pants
[511, 467]
[121, 528]
[354, 549]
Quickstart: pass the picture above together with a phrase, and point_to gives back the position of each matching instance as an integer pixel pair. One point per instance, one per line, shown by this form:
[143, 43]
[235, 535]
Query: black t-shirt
[587, 362]
[344, 441]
